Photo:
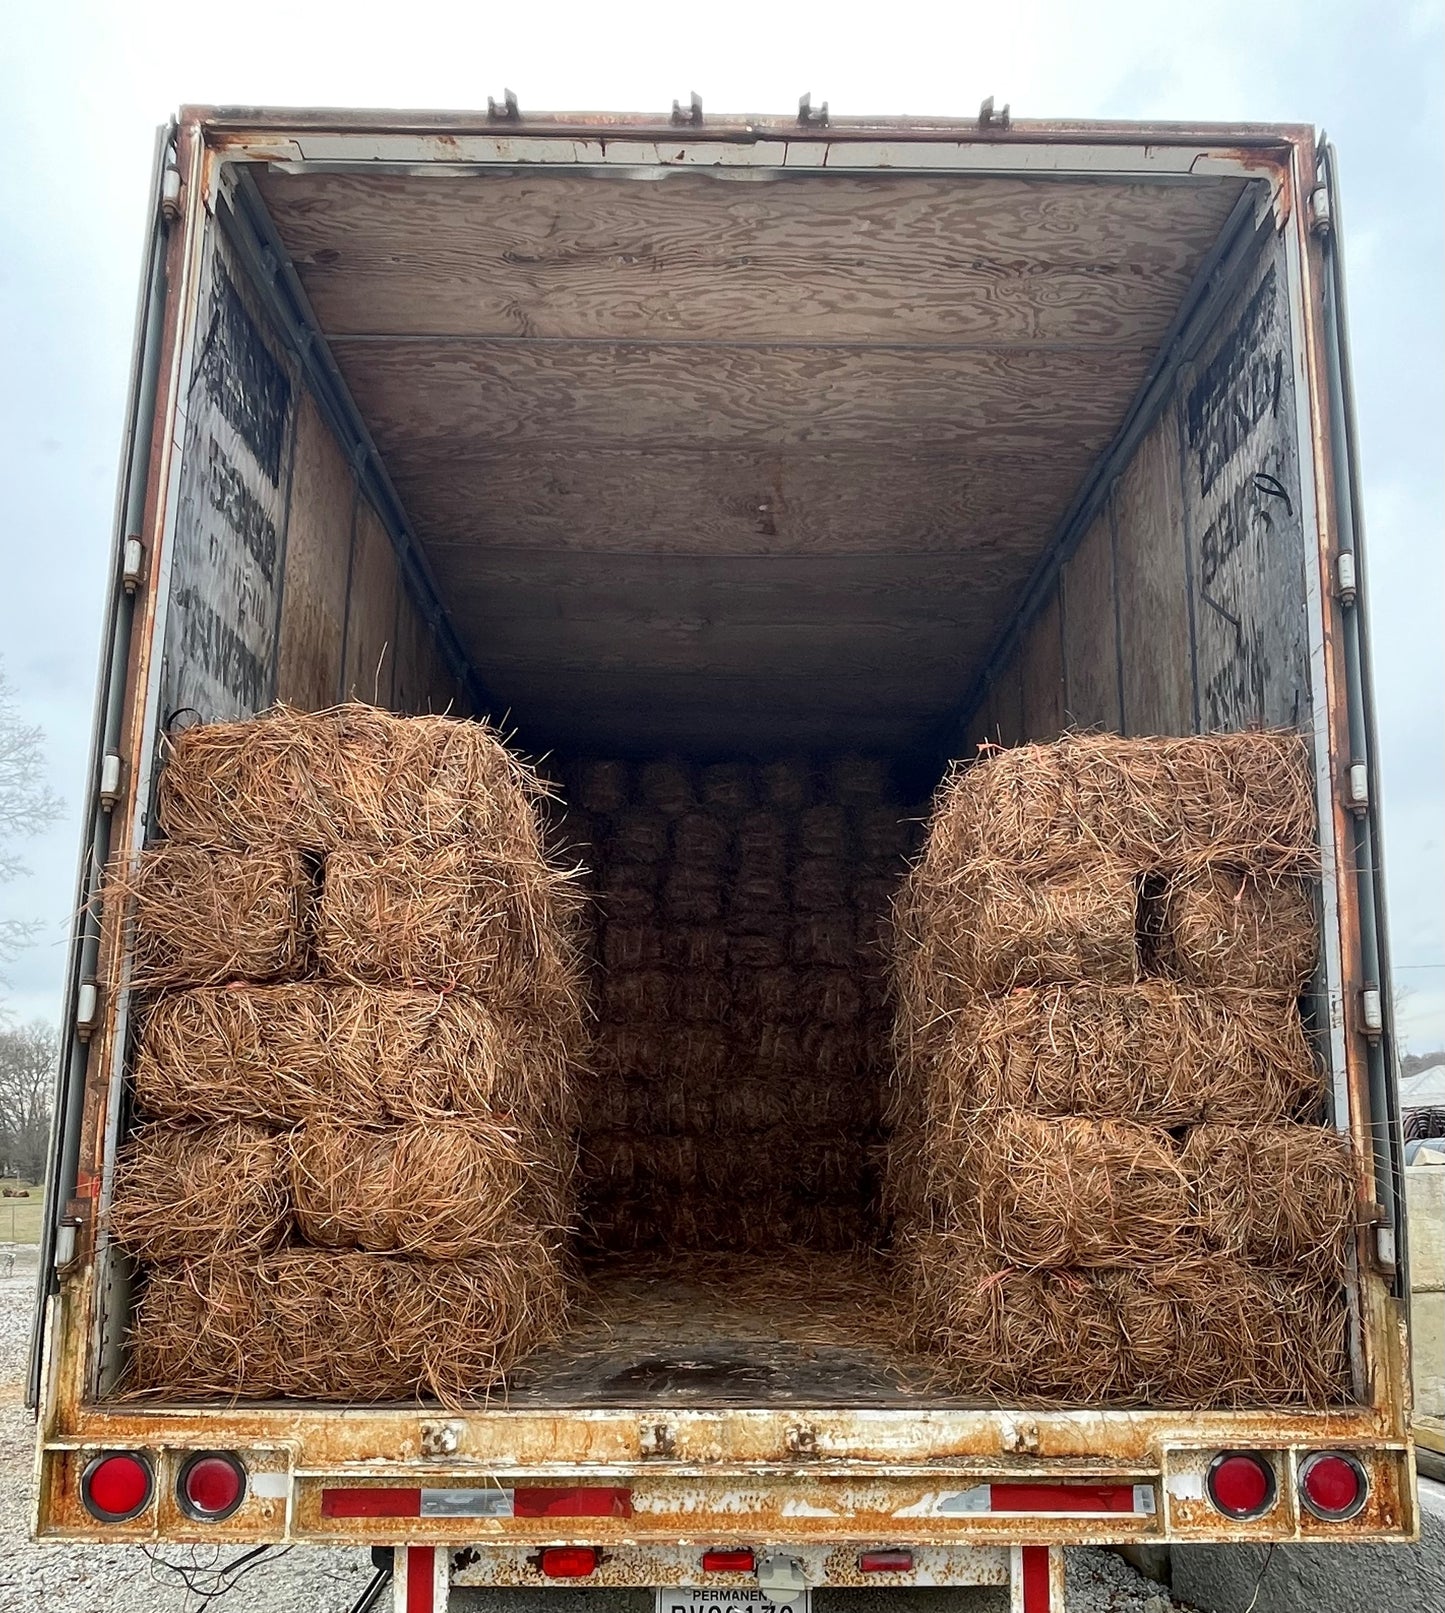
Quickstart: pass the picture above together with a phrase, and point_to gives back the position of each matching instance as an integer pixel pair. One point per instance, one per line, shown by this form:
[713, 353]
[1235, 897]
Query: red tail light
[117, 1485]
[570, 1562]
[729, 1560]
[1333, 1486]
[212, 1484]
[885, 1562]
[1241, 1484]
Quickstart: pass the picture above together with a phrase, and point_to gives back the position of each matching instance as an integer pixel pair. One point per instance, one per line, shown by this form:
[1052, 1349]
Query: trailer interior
[717, 457]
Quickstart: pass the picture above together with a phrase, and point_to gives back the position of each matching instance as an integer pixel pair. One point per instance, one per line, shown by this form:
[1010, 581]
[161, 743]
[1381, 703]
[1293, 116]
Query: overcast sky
[82, 88]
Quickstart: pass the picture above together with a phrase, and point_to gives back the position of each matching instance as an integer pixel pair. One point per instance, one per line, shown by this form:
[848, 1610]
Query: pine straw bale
[698, 996]
[770, 996]
[824, 831]
[639, 994]
[787, 784]
[679, 1103]
[830, 939]
[605, 787]
[1067, 1192]
[450, 917]
[699, 946]
[819, 1163]
[760, 863]
[1244, 799]
[192, 1191]
[639, 837]
[1200, 1333]
[631, 946]
[630, 1052]
[199, 917]
[306, 1051]
[1277, 1195]
[692, 895]
[1228, 929]
[859, 780]
[326, 1325]
[820, 885]
[700, 840]
[1156, 1052]
[765, 1219]
[626, 903]
[729, 786]
[1219, 1332]
[829, 996]
[756, 896]
[767, 949]
[778, 1051]
[996, 932]
[351, 775]
[882, 834]
[762, 838]
[437, 1190]
[667, 786]
[840, 1051]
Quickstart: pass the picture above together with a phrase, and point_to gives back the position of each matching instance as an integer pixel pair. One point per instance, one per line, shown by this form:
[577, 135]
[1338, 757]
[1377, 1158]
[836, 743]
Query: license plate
[744, 1599]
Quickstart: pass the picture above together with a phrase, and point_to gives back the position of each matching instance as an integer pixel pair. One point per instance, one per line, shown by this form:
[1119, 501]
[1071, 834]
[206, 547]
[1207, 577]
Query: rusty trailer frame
[819, 1481]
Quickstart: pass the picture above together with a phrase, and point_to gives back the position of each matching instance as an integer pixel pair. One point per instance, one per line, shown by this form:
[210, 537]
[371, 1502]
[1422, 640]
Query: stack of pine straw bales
[743, 1024]
[1111, 1173]
[360, 1007]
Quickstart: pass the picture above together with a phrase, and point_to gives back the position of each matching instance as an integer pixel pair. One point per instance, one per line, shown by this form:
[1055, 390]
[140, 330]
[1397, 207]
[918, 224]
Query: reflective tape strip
[490, 1501]
[1033, 1500]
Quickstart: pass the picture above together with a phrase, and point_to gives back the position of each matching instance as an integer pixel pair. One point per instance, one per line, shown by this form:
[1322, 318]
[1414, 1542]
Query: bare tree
[27, 803]
[28, 1057]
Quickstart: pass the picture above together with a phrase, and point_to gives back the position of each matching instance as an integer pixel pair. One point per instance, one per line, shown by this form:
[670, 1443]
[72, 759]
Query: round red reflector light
[1333, 1486]
[211, 1486]
[116, 1486]
[569, 1562]
[1241, 1484]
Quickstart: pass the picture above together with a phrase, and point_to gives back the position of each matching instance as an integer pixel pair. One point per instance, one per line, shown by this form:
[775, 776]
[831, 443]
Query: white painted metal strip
[477, 1503]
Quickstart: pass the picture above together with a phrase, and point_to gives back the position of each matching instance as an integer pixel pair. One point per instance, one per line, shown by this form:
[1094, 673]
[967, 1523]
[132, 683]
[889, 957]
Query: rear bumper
[650, 1520]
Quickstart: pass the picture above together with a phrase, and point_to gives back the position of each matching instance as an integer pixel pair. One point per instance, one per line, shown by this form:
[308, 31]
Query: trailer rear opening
[699, 456]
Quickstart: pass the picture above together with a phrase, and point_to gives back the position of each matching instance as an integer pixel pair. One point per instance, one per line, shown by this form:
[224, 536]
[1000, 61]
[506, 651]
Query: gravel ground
[129, 1579]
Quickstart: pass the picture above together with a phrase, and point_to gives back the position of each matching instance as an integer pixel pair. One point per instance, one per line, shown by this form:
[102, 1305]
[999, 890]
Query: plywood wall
[284, 582]
[1181, 608]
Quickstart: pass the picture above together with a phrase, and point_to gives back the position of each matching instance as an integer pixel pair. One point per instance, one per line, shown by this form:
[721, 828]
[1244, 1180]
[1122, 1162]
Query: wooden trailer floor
[796, 1328]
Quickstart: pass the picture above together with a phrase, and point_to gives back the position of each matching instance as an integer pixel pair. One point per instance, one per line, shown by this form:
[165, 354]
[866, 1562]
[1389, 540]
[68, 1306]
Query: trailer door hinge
[87, 1008]
[133, 565]
[1321, 219]
[1357, 789]
[109, 789]
[171, 190]
[1372, 1016]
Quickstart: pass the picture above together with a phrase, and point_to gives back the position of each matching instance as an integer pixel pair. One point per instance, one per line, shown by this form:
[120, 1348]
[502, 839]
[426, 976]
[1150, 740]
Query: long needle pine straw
[1204, 1332]
[1156, 1052]
[1231, 930]
[199, 917]
[184, 1191]
[1069, 1193]
[997, 931]
[353, 775]
[309, 1051]
[452, 917]
[326, 1325]
[1279, 1195]
[1241, 799]
[445, 1190]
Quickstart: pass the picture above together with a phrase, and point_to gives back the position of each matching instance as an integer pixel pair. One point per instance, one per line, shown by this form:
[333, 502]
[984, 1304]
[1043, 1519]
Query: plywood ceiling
[739, 464]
